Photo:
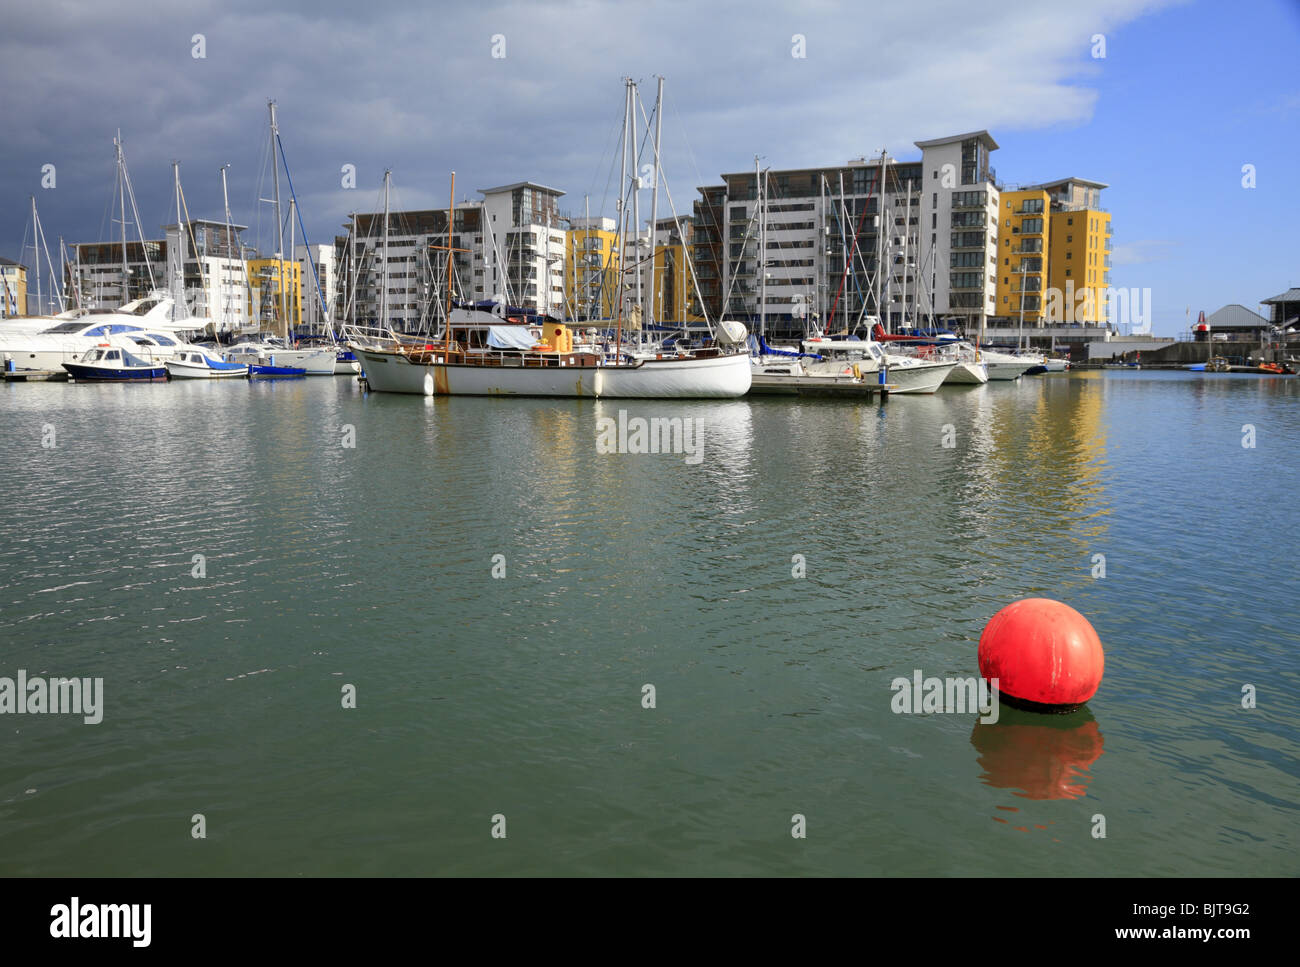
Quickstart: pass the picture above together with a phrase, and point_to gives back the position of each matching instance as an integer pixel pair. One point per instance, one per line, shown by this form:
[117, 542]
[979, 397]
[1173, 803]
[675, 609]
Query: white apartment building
[324, 260]
[207, 276]
[513, 250]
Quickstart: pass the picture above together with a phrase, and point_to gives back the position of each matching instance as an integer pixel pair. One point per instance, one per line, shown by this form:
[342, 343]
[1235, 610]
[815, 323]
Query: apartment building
[509, 245]
[813, 256]
[201, 263]
[593, 262]
[13, 288]
[1054, 257]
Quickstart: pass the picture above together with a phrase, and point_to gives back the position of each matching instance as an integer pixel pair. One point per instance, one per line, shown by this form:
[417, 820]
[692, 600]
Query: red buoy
[1044, 654]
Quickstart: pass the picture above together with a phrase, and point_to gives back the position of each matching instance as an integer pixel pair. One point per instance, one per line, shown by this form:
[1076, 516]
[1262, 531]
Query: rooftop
[1235, 317]
[1072, 181]
[1290, 295]
[5, 261]
[520, 184]
[981, 135]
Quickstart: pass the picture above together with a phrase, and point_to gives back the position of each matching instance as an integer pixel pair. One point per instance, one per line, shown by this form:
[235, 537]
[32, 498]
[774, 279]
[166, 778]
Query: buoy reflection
[1040, 756]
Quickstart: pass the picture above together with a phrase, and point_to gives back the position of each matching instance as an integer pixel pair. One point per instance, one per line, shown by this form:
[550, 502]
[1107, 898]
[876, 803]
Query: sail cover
[511, 337]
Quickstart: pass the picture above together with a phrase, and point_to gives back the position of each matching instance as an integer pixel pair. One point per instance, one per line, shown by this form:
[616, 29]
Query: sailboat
[499, 350]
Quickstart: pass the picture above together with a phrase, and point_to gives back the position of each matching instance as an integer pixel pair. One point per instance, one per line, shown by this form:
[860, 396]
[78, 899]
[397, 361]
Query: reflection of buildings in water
[1040, 756]
[1042, 454]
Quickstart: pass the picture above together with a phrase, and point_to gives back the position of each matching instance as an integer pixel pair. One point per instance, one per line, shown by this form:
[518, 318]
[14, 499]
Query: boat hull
[719, 377]
[923, 378]
[84, 373]
[179, 370]
[1002, 366]
[968, 374]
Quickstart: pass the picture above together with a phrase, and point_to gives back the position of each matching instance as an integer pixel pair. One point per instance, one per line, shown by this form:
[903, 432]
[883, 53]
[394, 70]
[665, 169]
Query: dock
[36, 376]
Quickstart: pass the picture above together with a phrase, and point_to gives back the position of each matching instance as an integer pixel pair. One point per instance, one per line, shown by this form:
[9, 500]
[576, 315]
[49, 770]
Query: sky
[1167, 102]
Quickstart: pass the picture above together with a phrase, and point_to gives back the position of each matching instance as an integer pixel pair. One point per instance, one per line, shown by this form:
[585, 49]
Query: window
[1006, 261]
[1067, 273]
[934, 203]
[1070, 220]
[1069, 255]
[1069, 238]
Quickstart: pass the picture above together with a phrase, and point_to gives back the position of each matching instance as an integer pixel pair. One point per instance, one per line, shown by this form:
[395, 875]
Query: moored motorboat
[196, 364]
[1004, 366]
[111, 364]
[866, 357]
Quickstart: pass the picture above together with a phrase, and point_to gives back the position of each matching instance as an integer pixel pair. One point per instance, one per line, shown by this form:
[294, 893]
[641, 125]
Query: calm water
[521, 696]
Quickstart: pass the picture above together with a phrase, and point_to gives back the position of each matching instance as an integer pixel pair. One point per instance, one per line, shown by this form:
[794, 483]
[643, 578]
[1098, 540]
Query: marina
[555, 441]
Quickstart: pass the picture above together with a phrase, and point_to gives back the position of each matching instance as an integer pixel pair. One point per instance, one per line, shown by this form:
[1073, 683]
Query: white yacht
[143, 327]
[1005, 366]
[864, 357]
[273, 351]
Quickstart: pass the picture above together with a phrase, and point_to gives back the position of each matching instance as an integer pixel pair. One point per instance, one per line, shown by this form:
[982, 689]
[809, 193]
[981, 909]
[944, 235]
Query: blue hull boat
[110, 364]
[273, 371]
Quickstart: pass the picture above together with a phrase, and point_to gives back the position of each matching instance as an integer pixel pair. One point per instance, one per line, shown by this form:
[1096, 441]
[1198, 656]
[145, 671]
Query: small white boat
[195, 364]
[865, 357]
[1005, 366]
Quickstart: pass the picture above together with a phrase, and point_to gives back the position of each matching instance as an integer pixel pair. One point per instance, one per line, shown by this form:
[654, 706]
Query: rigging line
[856, 235]
[135, 211]
[663, 179]
[298, 210]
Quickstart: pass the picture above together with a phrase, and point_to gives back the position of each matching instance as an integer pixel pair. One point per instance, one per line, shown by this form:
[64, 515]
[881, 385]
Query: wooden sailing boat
[508, 351]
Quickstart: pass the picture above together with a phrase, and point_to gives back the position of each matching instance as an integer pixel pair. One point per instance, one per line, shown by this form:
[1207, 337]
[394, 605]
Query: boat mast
[761, 263]
[383, 275]
[230, 240]
[279, 225]
[121, 188]
[622, 221]
[1020, 331]
[907, 237]
[654, 195]
[293, 260]
[881, 315]
[36, 250]
[177, 262]
[451, 226]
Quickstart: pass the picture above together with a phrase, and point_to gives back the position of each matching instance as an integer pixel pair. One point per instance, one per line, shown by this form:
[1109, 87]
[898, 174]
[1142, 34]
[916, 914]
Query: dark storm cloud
[416, 89]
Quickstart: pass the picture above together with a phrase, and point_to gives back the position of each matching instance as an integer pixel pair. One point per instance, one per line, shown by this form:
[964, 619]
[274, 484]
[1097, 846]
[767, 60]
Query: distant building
[1053, 255]
[933, 227]
[515, 250]
[1284, 309]
[202, 266]
[13, 288]
[318, 264]
[591, 280]
[275, 295]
